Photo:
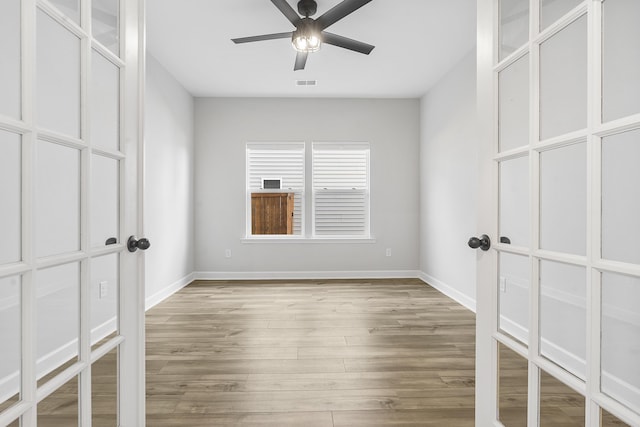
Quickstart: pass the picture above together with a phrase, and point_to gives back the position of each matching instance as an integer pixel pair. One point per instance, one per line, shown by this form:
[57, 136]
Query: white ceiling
[416, 41]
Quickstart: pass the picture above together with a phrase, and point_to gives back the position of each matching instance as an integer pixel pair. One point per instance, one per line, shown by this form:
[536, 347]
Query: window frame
[275, 146]
[346, 147]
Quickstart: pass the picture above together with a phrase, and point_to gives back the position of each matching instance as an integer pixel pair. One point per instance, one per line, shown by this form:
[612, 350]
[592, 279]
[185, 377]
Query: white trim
[514, 329]
[620, 390]
[56, 358]
[554, 352]
[449, 291]
[305, 275]
[102, 331]
[9, 386]
[611, 311]
[166, 292]
[563, 358]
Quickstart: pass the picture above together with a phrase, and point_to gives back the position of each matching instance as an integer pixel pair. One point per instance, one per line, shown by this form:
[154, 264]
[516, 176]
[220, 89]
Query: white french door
[559, 290]
[71, 294]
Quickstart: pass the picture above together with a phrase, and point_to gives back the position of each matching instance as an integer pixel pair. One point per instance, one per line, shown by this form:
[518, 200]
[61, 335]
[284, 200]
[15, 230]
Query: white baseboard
[514, 329]
[620, 390]
[305, 275]
[551, 351]
[9, 386]
[165, 293]
[100, 332]
[449, 291]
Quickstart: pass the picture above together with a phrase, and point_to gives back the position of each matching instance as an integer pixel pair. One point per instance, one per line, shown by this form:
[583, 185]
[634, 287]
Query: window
[341, 190]
[275, 209]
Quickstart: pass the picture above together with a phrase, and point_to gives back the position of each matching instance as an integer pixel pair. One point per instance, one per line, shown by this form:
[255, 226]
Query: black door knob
[483, 242]
[134, 244]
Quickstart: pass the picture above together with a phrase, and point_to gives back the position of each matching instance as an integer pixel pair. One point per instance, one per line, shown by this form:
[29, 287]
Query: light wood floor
[336, 353]
[332, 353]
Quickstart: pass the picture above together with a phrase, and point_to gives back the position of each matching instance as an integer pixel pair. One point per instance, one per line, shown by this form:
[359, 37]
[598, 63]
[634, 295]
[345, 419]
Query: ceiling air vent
[306, 82]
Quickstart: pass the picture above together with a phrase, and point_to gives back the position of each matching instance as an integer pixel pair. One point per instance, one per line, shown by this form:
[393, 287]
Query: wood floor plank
[269, 419]
[313, 354]
[293, 353]
[422, 418]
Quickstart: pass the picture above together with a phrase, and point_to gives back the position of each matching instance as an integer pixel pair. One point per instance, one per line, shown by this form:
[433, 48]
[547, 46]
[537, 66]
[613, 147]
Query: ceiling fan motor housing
[307, 7]
[309, 34]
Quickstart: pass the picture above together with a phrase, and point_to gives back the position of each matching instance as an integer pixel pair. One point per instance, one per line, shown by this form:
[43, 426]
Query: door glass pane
[620, 377]
[10, 56]
[608, 420]
[105, 98]
[512, 387]
[621, 197]
[563, 301]
[105, 207]
[563, 81]
[105, 25]
[514, 201]
[61, 407]
[10, 195]
[559, 405]
[104, 390]
[104, 296]
[620, 59]
[57, 218]
[514, 25]
[563, 199]
[10, 332]
[513, 84]
[58, 313]
[58, 77]
[70, 8]
[552, 10]
[514, 296]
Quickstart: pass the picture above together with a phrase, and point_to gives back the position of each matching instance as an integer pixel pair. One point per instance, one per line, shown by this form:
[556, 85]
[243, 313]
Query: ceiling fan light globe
[313, 42]
[303, 43]
[300, 44]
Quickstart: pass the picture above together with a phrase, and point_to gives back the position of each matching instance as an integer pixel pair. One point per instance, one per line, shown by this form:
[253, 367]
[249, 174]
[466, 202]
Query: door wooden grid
[489, 333]
[126, 59]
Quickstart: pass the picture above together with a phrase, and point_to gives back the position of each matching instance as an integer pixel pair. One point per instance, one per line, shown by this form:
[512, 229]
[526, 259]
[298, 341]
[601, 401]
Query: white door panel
[558, 308]
[71, 294]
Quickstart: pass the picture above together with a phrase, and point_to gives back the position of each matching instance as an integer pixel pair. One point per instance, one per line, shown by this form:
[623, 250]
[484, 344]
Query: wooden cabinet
[272, 213]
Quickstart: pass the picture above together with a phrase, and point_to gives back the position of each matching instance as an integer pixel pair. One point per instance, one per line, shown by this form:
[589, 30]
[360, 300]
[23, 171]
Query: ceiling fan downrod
[307, 8]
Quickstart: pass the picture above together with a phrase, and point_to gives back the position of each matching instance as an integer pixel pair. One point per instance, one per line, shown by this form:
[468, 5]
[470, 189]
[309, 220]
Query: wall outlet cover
[104, 289]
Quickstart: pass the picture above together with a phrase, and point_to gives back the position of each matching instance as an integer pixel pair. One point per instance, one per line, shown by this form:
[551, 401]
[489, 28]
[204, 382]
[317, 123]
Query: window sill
[308, 240]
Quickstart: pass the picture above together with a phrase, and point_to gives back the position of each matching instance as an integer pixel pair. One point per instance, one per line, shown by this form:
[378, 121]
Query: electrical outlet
[104, 289]
[388, 253]
[503, 284]
[227, 253]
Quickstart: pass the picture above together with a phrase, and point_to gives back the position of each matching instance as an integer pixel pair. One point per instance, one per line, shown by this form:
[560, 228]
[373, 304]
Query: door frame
[131, 384]
[486, 264]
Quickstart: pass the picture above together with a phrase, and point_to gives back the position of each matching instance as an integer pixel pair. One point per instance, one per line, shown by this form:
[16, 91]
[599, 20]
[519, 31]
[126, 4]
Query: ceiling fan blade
[287, 11]
[301, 61]
[346, 43]
[338, 12]
[263, 37]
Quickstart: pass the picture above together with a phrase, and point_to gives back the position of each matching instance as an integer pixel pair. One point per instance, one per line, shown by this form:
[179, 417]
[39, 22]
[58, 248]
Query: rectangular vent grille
[306, 82]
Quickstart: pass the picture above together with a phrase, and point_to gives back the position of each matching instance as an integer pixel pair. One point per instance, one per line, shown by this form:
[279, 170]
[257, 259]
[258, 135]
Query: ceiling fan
[309, 33]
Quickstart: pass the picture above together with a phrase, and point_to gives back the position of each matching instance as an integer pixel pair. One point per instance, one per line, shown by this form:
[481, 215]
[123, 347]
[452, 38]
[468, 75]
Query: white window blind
[341, 190]
[285, 161]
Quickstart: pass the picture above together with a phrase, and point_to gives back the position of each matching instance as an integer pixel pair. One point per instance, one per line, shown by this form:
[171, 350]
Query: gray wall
[225, 125]
[169, 202]
[448, 171]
